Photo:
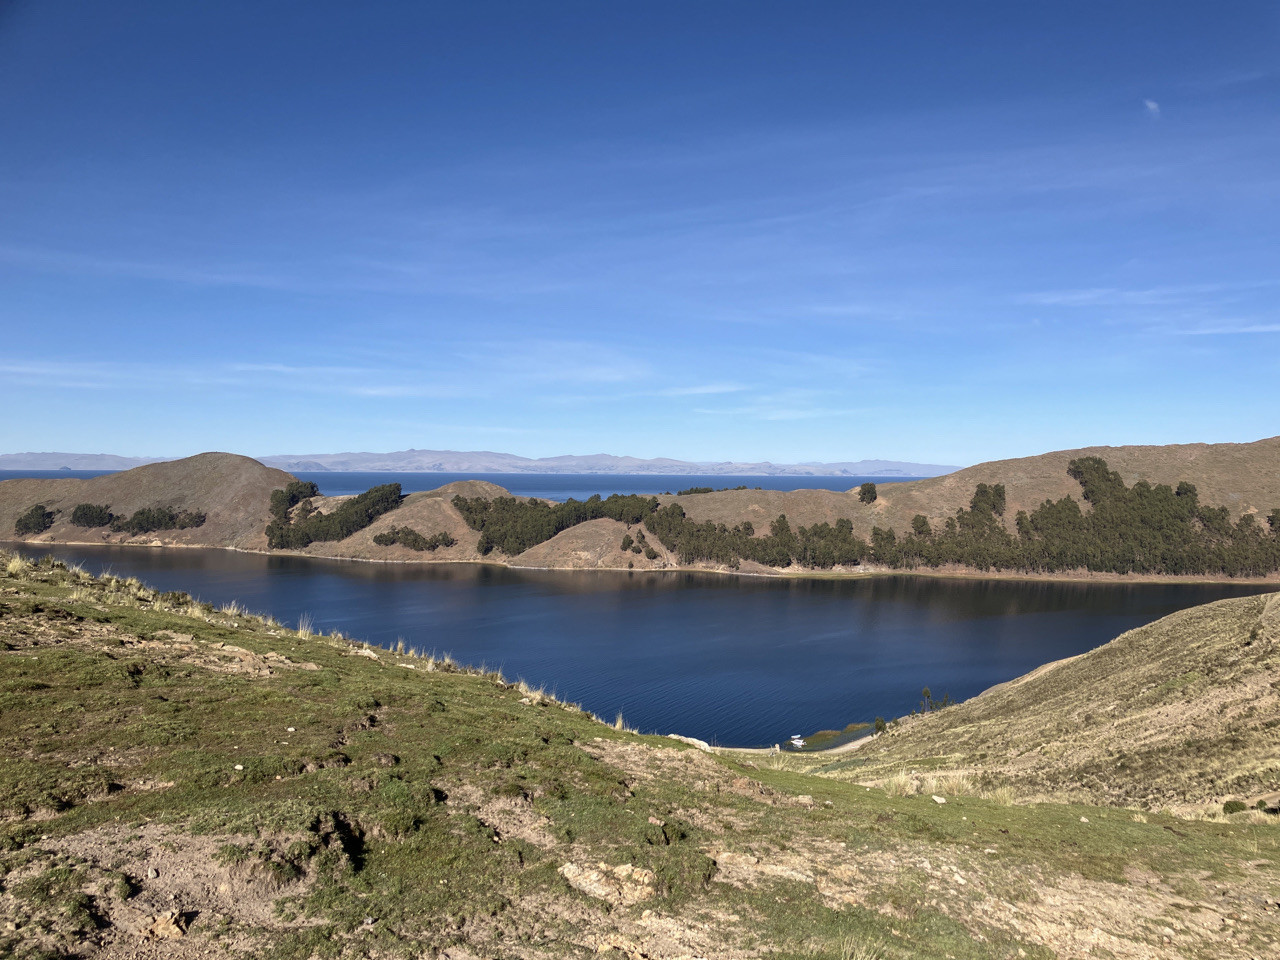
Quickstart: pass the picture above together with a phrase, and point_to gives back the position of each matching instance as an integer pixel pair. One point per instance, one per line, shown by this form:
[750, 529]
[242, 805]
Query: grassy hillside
[1182, 713]
[1245, 477]
[232, 490]
[178, 781]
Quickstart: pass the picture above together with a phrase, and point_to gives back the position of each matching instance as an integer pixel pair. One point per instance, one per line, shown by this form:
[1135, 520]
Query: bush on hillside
[92, 515]
[35, 520]
[513, 526]
[282, 501]
[150, 519]
[350, 516]
[1234, 806]
[411, 538]
[867, 493]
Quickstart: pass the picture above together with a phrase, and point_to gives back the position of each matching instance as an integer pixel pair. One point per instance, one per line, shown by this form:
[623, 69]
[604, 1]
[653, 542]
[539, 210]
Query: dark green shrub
[411, 538]
[149, 519]
[35, 520]
[351, 516]
[867, 493]
[650, 553]
[1234, 806]
[91, 515]
[685, 493]
[626, 542]
[513, 526]
[284, 500]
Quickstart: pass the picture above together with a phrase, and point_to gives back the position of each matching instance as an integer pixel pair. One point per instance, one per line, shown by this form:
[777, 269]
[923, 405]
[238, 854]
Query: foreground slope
[1180, 712]
[177, 781]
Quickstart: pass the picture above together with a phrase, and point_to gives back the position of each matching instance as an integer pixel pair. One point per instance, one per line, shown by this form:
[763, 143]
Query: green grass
[386, 800]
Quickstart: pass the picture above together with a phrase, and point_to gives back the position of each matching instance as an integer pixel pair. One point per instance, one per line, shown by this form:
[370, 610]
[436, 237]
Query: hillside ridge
[1243, 478]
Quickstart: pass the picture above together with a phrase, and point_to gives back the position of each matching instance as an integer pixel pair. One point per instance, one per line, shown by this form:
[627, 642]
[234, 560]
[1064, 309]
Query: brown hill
[429, 512]
[233, 491]
[1245, 477]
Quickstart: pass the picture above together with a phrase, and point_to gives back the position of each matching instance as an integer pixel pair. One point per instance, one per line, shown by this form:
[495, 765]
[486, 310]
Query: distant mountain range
[74, 461]
[451, 461]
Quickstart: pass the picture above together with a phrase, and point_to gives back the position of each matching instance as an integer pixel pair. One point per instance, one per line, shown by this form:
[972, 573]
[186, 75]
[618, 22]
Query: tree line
[306, 525]
[91, 515]
[513, 526]
[1143, 529]
[411, 538]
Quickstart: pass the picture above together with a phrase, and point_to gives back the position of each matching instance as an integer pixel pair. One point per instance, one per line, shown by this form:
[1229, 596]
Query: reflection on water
[734, 660]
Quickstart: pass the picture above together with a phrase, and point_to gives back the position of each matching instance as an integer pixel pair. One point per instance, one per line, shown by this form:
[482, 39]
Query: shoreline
[868, 573]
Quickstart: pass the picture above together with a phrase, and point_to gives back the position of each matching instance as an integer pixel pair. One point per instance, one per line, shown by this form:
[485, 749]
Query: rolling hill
[234, 492]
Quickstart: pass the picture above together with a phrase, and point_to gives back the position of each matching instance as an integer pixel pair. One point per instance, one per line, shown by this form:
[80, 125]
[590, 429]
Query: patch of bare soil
[509, 817]
[147, 892]
[699, 770]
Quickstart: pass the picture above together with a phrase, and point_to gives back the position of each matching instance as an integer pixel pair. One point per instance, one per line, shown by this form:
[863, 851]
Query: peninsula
[1190, 510]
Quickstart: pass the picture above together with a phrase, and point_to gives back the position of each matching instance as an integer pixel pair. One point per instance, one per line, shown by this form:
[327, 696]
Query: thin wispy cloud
[701, 390]
[1153, 109]
[1231, 329]
[1143, 296]
[174, 379]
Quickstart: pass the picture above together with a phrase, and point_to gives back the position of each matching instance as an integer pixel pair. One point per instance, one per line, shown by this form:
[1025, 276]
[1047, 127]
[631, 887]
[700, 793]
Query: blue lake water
[579, 486]
[551, 486]
[738, 661]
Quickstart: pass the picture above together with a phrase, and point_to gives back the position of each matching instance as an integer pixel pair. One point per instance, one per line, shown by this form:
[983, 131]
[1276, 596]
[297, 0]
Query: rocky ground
[178, 781]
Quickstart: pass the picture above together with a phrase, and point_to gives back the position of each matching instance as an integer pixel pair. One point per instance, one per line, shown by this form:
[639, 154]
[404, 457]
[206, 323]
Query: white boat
[797, 742]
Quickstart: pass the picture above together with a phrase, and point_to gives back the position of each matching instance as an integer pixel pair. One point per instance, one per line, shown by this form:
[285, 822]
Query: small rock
[167, 926]
[938, 799]
[152, 873]
[368, 921]
[525, 700]
[239, 766]
[1084, 819]
[656, 822]
[805, 799]
[290, 729]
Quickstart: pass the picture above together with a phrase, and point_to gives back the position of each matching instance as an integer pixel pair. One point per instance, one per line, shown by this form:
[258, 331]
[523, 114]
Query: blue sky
[935, 232]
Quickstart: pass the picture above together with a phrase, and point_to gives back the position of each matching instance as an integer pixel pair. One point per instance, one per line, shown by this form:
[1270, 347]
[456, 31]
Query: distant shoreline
[868, 573]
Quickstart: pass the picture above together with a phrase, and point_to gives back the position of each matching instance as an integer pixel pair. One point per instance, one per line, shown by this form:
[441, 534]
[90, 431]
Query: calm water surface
[551, 486]
[735, 660]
